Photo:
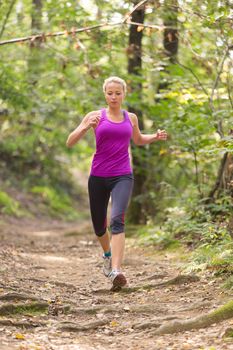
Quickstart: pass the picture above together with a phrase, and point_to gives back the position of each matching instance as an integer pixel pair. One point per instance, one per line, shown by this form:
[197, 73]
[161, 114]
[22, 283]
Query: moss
[228, 333]
[223, 312]
[228, 284]
[22, 309]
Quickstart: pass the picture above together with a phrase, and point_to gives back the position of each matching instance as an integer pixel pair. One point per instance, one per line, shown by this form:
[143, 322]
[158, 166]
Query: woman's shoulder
[133, 118]
[93, 114]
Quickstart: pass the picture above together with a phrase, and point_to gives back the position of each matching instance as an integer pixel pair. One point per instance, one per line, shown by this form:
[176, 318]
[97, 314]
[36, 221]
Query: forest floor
[53, 294]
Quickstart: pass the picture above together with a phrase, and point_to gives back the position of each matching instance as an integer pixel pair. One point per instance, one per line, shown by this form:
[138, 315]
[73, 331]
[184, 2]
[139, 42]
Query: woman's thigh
[99, 196]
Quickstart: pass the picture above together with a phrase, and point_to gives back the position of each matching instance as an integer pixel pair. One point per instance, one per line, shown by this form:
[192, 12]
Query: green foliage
[47, 89]
[9, 205]
[228, 284]
[33, 309]
[59, 203]
[158, 237]
[217, 259]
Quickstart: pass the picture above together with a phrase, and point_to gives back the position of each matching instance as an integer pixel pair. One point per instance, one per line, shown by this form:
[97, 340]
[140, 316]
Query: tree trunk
[224, 181]
[36, 16]
[136, 213]
[170, 46]
[170, 38]
[34, 61]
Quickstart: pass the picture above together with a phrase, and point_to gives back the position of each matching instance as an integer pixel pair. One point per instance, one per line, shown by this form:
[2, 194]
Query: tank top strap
[126, 115]
[103, 113]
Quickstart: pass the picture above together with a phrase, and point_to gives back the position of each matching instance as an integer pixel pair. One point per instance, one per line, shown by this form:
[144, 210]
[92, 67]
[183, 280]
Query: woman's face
[114, 94]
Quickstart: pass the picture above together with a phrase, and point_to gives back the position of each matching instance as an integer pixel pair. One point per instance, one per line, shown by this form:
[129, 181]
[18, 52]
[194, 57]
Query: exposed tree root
[154, 277]
[63, 284]
[178, 280]
[22, 324]
[56, 283]
[195, 306]
[18, 296]
[154, 323]
[105, 309]
[228, 333]
[135, 308]
[32, 308]
[222, 313]
[74, 327]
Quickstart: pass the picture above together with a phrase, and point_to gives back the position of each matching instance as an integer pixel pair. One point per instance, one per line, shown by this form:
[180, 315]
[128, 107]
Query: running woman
[111, 174]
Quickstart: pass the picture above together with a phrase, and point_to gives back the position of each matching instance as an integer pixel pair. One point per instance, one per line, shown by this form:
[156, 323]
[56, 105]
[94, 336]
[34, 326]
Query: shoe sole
[119, 281]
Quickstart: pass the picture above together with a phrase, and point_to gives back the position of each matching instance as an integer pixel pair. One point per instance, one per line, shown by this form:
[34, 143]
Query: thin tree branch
[218, 77]
[134, 9]
[229, 88]
[218, 180]
[195, 76]
[43, 36]
[153, 26]
[219, 126]
[196, 171]
[73, 31]
[7, 16]
[198, 14]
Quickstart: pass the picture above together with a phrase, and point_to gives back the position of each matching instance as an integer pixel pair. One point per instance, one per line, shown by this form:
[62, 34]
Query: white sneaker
[117, 278]
[107, 267]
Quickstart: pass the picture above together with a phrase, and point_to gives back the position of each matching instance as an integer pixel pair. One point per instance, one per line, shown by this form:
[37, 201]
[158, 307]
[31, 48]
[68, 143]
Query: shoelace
[114, 272]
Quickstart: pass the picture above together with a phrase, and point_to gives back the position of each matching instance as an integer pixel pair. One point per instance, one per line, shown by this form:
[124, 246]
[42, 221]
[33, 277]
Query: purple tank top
[112, 147]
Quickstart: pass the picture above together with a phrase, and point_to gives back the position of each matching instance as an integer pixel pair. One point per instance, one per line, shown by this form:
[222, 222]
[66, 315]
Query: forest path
[53, 294]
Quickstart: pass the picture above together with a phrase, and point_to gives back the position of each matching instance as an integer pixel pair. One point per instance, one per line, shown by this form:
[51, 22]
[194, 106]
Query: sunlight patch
[49, 258]
[42, 233]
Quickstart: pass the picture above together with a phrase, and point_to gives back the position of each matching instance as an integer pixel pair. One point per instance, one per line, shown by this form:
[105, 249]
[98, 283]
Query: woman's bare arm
[90, 120]
[141, 139]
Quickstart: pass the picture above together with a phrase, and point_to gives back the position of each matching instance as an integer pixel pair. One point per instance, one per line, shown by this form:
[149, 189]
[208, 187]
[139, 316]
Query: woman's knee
[100, 233]
[117, 224]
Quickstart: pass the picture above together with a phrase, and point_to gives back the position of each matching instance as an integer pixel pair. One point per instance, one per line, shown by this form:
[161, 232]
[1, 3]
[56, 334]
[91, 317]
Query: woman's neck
[115, 112]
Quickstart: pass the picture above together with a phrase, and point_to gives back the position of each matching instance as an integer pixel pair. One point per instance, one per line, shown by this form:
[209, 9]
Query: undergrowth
[9, 205]
[203, 232]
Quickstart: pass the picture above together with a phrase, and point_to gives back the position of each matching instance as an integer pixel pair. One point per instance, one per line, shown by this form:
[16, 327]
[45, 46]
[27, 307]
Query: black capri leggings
[100, 189]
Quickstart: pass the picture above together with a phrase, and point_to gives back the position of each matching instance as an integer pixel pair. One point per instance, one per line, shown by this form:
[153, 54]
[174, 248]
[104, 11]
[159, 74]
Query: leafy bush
[218, 259]
[157, 237]
[59, 203]
[9, 205]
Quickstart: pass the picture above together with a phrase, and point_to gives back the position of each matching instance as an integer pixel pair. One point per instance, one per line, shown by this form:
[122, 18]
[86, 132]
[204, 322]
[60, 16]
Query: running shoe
[118, 279]
[107, 266]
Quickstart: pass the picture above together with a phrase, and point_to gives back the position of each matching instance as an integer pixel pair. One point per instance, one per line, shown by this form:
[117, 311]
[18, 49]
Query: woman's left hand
[161, 135]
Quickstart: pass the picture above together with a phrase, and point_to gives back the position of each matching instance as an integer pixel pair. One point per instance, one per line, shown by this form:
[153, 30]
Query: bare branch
[195, 76]
[229, 87]
[43, 36]
[219, 125]
[7, 16]
[73, 31]
[153, 26]
[134, 9]
[218, 77]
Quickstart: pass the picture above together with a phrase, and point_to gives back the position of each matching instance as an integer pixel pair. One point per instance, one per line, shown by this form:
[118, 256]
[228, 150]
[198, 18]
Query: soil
[53, 294]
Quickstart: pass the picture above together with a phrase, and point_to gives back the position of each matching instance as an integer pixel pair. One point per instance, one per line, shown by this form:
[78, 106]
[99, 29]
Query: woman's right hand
[92, 120]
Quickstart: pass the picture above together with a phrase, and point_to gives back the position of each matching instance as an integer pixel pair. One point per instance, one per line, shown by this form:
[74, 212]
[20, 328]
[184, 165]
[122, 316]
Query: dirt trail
[57, 270]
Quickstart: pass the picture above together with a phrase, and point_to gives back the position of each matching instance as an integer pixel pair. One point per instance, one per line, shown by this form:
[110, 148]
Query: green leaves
[9, 205]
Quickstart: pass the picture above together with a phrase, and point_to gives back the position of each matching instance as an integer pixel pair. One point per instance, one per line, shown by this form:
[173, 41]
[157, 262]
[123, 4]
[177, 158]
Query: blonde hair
[115, 79]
